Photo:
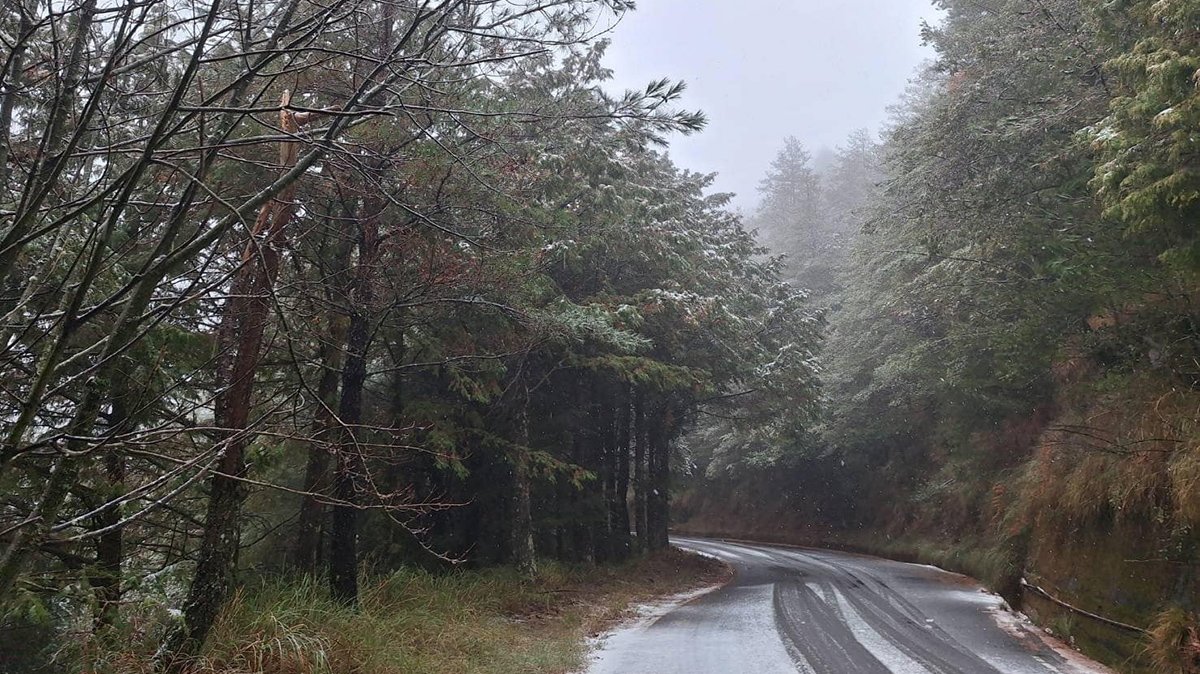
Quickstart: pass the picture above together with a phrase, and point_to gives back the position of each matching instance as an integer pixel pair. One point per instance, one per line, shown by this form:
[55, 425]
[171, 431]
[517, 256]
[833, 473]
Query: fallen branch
[1075, 609]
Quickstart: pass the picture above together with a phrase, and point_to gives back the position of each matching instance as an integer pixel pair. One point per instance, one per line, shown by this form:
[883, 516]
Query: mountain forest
[298, 295]
[1009, 364]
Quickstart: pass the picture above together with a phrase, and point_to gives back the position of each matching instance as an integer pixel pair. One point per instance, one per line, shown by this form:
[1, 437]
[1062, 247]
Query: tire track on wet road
[823, 612]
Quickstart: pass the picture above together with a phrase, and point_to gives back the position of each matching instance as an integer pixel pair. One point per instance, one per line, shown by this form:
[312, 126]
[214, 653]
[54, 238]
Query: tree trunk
[307, 554]
[395, 477]
[239, 340]
[582, 449]
[110, 546]
[619, 505]
[343, 534]
[639, 471]
[606, 450]
[658, 496]
[524, 554]
[343, 543]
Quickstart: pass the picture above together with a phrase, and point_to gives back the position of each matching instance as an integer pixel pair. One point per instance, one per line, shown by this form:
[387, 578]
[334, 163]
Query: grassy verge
[473, 622]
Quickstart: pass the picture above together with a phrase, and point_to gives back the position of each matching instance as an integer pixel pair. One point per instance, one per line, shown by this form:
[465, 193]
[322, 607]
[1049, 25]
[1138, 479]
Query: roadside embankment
[1085, 513]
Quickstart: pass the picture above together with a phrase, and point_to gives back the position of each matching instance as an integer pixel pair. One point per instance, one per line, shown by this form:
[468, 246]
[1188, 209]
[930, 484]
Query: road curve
[822, 612]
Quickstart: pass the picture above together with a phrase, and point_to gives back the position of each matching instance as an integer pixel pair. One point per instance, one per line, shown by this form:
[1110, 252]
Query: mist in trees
[319, 290]
[812, 206]
[306, 288]
[1006, 282]
[987, 255]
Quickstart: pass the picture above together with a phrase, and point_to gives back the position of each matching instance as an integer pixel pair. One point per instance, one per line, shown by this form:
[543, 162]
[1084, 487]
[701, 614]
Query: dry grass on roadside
[474, 622]
[1173, 642]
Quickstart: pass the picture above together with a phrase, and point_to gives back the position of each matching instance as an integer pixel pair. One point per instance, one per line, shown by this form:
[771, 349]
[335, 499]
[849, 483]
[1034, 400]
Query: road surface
[822, 612]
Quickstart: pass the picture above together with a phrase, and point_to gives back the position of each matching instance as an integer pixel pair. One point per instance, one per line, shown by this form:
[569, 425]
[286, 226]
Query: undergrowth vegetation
[411, 621]
[1129, 454]
[1173, 642]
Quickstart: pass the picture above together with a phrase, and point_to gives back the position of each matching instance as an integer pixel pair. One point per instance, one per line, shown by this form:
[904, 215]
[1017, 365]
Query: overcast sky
[766, 69]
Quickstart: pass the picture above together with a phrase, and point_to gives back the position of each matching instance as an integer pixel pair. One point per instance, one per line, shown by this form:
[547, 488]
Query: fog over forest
[763, 70]
[524, 336]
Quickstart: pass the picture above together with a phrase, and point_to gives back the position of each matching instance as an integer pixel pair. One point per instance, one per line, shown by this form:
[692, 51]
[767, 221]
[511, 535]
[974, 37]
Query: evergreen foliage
[1010, 340]
[372, 284]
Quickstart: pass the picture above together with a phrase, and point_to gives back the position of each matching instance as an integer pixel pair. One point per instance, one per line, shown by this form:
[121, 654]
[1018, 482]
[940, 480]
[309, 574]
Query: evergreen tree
[792, 217]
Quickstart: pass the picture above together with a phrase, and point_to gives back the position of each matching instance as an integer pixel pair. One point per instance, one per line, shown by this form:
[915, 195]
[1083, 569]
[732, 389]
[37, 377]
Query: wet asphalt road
[822, 612]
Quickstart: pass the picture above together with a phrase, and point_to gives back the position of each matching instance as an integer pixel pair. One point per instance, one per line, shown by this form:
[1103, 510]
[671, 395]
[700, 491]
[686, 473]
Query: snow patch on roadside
[644, 615]
[1022, 627]
[698, 552]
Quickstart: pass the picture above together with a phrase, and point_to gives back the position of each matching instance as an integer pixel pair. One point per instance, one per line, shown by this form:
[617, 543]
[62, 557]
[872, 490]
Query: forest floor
[471, 622]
